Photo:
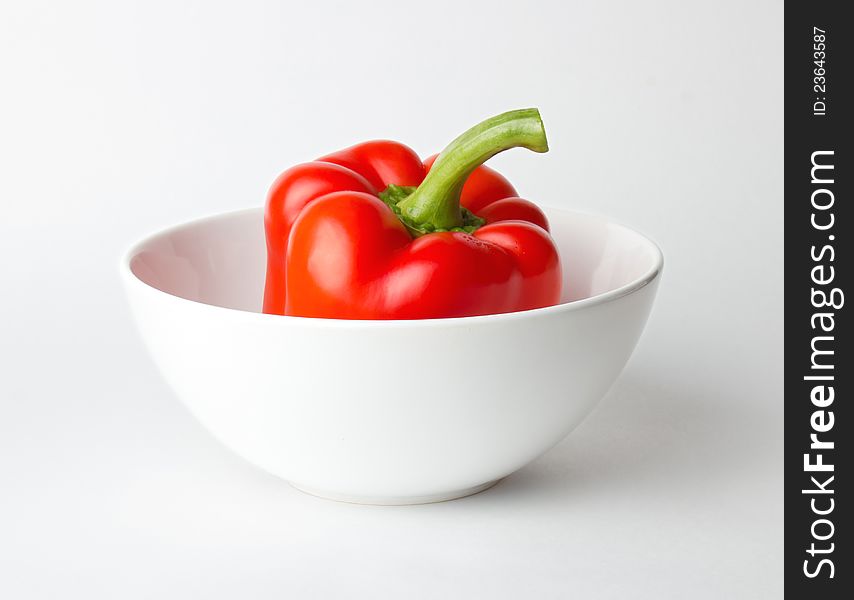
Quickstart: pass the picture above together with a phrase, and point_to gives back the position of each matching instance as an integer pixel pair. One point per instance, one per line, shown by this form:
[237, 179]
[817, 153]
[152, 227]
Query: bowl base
[395, 500]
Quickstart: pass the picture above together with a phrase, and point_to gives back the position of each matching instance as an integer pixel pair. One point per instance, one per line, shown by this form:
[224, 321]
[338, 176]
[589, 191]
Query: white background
[119, 118]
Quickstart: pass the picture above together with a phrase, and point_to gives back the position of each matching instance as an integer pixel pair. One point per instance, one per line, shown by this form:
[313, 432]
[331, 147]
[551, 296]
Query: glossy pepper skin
[335, 249]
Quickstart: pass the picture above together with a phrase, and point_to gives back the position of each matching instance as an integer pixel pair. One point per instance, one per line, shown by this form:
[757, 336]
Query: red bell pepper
[371, 232]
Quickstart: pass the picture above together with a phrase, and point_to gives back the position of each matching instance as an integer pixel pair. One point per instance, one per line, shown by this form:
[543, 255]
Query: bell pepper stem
[435, 204]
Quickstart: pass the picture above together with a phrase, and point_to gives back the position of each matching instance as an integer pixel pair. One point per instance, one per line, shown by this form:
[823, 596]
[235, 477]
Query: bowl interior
[221, 260]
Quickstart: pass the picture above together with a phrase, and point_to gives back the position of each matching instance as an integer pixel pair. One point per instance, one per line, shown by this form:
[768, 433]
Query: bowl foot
[395, 500]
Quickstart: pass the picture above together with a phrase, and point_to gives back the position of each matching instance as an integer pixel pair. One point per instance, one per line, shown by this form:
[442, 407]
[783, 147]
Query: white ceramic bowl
[387, 412]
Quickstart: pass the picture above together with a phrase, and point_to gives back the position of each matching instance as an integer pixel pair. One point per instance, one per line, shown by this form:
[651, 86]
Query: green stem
[435, 204]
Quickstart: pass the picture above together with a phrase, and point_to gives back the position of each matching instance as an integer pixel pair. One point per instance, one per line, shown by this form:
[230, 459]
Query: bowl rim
[650, 275]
